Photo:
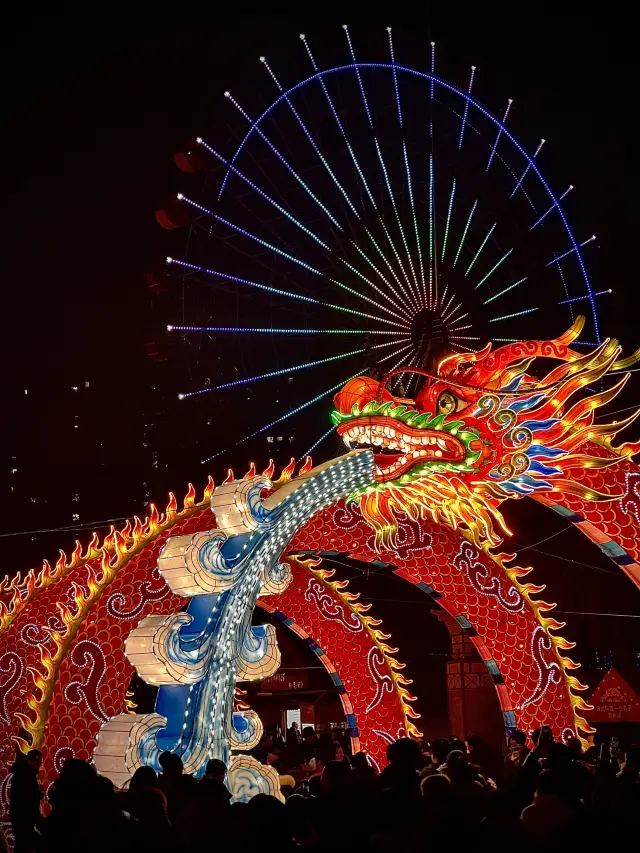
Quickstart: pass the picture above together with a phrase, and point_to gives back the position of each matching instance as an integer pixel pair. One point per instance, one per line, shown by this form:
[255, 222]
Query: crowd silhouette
[542, 796]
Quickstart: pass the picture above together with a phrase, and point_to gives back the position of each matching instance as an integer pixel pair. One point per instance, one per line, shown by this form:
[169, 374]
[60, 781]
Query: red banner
[614, 701]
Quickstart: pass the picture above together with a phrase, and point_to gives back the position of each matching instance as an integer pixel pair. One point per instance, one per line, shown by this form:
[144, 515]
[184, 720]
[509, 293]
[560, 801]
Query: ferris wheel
[371, 216]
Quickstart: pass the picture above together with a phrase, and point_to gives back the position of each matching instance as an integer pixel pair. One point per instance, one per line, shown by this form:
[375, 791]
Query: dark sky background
[95, 102]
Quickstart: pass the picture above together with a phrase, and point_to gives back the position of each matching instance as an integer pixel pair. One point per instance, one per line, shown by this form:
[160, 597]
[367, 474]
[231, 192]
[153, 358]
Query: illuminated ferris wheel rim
[393, 67]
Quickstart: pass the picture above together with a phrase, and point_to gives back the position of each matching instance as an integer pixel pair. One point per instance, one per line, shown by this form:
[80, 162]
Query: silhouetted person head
[144, 777]
[335, 776]
[435, 789]
[34, 758]
[406, 753]
[216, 769]
[171, 764]
[149, 806]
[439, 750]
[518, 737]
[308, 734]
[360, 762]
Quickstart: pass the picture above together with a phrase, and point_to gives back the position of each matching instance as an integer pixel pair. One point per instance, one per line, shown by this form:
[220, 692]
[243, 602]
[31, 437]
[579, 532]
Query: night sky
[96, 101]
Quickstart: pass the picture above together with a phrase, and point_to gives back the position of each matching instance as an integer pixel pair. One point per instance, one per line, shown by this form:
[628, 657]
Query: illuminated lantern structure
[435, 440]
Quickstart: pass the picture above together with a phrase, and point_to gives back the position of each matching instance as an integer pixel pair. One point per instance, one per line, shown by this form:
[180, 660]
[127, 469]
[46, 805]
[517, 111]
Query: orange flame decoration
[308, 465]
[287, 473]
[350, 601]
[540, 608]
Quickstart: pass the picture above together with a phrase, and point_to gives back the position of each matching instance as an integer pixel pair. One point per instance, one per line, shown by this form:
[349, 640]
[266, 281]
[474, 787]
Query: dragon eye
[447, 402]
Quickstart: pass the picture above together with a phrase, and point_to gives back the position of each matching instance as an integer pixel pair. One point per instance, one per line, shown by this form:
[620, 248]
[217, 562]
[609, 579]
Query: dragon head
[482, 429]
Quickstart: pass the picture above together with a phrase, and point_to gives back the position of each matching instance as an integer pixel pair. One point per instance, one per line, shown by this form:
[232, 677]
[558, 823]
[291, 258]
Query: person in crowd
[517, 751]
[26, 794]
[483, 756]
[401, 773]
[293, 738]
[216, 770]
[309, 745]
[362, 771]
[551, 810]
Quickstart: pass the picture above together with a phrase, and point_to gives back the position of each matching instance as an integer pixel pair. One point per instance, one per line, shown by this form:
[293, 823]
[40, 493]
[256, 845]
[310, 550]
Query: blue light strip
[506, 290]
[466, 107]
[324, 435]
[388, 263]
[369, 195]
[270, 375]
[416, 294]
[356, 65]
[263, 194]
[470, 100]
[493, 269]
[265, 331]
[586, 296]
[432, 303]
[290, 169]
[553, 207]
[482, 245]
[499, 134]
[433, 66]
[275, 290]
[282, 418]
[464, 233]
[295, 260]
[415, 223]
[395, 75]
[527, 167]
[446, 229]
[515, 314]
[570, 252]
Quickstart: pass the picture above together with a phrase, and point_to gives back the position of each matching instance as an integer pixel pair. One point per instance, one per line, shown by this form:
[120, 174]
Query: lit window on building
[75, 516]
[86, 385]
[279, 438]
[14, 470]
[74, 387]
[75, 497]
[33, 500]
[269, 439]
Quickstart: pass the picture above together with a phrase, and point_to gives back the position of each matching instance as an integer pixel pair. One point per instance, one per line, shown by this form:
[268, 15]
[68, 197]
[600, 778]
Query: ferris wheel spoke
[374, 286]
[357, 69]
[294, 260]
[384, 257]
[482, 245]
[433, 286]
[395, 75]
[586, 296]
[270, 375]
[499, 134]
[400, 228]
[515, 314]
[312, 142]
[364, 181]
[263, 194]
[266, 331]
[281, 158]
[395, 298]
[506, 290]
[448, 222]
[393, 354]
[284, 417]
[527, 167]
[309, 450]
[466, 229]
[278, 292]
[493, 269]
[554, 206]
[466, 107]
[415, 224]
[433, 66]
[572, 250]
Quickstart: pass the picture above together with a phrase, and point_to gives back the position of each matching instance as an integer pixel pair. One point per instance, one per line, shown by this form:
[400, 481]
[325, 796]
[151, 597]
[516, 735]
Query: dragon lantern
[481, 430]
